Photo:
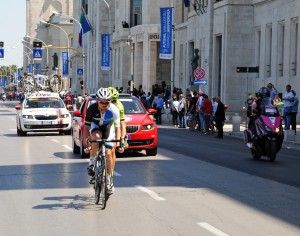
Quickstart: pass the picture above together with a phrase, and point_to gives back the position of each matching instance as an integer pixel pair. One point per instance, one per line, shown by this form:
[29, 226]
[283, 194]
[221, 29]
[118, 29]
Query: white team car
[43, 112]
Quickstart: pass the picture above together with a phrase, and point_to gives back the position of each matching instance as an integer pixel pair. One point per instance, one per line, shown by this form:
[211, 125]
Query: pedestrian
[273, 91]
[174, 110]
[158, 103]
[181, 111]
[219, 117]
[288, 99]
[199, 104]
[207, 110]
[294, 112]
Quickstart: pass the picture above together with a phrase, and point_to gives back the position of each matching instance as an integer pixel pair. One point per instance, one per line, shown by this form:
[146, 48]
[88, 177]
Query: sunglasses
[104, 103]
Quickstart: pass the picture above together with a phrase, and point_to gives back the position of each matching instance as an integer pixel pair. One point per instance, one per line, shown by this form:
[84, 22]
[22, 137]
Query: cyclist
[118, 103]
[102, 122]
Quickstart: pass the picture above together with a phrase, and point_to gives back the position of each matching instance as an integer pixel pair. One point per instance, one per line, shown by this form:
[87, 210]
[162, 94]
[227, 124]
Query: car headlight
[27, 116]
[148, 127]
[64, 116]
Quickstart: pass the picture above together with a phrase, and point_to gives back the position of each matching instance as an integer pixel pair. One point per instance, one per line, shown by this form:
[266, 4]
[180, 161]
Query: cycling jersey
[120, 106]
[111, 116]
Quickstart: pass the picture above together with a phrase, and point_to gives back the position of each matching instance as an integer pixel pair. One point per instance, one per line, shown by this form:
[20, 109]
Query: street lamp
[83, 55]
[47, 23]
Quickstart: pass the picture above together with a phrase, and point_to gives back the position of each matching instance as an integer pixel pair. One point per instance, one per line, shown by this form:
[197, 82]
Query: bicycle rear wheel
[55, 83]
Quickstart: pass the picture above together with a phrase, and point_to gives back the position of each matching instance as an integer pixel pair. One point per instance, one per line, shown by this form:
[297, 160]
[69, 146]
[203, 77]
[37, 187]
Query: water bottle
[99, 167]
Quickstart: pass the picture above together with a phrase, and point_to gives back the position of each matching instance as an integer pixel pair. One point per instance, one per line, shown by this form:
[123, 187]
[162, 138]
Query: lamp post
[47, 60]
[47, 23]
[83, 55]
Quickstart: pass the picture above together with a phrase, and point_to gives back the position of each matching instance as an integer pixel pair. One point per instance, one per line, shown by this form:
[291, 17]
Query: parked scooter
[3, 97]
[267, 135]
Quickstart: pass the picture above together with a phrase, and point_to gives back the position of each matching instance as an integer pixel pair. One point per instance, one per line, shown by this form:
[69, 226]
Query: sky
[12, 30]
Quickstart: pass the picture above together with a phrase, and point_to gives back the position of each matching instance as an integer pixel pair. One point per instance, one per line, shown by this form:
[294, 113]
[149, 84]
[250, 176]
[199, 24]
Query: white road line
[117, 174]
[151, 193]
[212, 229]
[55, 140]
[13, 129]
[67, 147]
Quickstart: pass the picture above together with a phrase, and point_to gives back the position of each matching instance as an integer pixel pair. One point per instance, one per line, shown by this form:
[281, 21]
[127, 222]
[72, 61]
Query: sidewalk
[290, 139]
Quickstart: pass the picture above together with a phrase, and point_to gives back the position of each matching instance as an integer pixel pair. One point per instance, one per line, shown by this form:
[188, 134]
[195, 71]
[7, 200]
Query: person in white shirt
[288, 100]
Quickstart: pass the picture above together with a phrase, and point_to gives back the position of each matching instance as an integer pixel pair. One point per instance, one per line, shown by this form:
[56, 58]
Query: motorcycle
[266, 135]
[3, 97]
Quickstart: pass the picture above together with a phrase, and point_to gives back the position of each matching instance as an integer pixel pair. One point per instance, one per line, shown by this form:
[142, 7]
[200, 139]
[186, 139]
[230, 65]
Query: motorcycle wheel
[271, 156]
[255, 156]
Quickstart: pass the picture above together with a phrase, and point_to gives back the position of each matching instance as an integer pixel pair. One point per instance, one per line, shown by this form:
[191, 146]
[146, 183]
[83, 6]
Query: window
[136, 13]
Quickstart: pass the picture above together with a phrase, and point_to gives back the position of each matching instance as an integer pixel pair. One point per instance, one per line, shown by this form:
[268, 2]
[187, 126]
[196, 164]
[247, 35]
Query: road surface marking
[67, 147]
[116, 173]
[212, 229]
[55, 140]
[151, 193]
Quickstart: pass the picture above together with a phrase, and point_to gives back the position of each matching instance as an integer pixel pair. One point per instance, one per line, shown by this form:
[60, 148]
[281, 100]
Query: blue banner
[38, 67]
[15, 78]
[30, 68]
[1, 53]
[6, 80]
[65, 63]
[166, 33]
[105, 63]
[20, 71]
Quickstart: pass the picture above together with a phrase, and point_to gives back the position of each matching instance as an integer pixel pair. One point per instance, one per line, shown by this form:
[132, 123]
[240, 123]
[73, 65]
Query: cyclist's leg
[95, 133]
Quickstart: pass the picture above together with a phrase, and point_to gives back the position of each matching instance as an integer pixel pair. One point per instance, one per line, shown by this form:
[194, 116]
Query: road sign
[203, 81]
[79, 71]
[1, 53]
[199, 73]
[37, 54]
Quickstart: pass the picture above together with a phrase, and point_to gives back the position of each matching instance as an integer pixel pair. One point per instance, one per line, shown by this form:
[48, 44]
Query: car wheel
[151, 152]
[18, 131]
[82, 153]
[22, 133]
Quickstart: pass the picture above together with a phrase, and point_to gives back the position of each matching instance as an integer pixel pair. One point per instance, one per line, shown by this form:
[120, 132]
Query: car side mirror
[18, 107]
[77, 113]
[152, 111]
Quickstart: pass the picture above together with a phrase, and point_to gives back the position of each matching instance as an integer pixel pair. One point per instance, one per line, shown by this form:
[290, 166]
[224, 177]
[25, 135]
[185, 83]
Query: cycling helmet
[264, 92]
[103, 93]
[114, 93]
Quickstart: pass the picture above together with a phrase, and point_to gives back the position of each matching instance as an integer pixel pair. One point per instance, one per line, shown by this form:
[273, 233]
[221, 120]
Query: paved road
[194, 186]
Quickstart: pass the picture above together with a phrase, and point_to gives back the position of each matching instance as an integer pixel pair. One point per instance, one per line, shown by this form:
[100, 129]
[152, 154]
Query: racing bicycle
[99, 180]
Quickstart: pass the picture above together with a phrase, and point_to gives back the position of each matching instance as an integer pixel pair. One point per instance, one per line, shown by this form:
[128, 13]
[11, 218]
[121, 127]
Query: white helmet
[103, 93]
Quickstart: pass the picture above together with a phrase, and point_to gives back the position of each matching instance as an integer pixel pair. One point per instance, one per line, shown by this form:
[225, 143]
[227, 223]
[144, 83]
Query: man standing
[220, 117]
[288, 99]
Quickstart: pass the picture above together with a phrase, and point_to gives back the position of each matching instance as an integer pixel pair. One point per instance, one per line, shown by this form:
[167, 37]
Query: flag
[186, 3]
[85, 24]
[80, 38]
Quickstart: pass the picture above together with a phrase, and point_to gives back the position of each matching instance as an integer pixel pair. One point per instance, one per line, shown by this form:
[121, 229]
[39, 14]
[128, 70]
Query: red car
[142, 131]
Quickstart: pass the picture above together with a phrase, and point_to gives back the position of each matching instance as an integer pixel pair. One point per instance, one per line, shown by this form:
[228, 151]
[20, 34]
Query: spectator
[272, 90]
[174, 110]
[207, 110]
[219, 116]
[159, 103]
[288, 99]
[294, 112]
[181, 111]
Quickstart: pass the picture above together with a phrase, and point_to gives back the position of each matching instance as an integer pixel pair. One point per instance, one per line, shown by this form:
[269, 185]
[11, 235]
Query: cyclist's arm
[87, 125]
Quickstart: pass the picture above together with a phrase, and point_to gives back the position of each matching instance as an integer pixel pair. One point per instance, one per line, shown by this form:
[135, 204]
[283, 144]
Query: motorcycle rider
[263, 99]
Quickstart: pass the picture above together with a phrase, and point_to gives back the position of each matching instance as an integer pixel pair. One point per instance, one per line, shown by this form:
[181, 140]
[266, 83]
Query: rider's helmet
[103, 93]
[264, 92]
[114, 93]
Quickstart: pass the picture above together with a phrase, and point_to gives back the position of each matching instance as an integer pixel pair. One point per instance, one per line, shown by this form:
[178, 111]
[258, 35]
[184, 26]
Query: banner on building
[166, 33]
[30, 68]
[65, 63]
[105, 62]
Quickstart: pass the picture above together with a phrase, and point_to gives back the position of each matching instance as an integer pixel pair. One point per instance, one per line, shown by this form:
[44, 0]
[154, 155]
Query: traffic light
[81, 84]
[1, 44]
[37, 44]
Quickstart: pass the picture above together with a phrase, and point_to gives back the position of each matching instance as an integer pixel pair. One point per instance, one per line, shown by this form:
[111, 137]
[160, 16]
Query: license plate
[47, 122]
[128, 137]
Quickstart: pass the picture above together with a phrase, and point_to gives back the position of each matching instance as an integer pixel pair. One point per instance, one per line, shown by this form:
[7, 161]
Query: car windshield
[132, 106]
[31, 103]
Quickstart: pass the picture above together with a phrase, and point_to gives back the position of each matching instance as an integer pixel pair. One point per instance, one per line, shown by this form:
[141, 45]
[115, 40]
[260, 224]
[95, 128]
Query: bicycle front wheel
[103, 188]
